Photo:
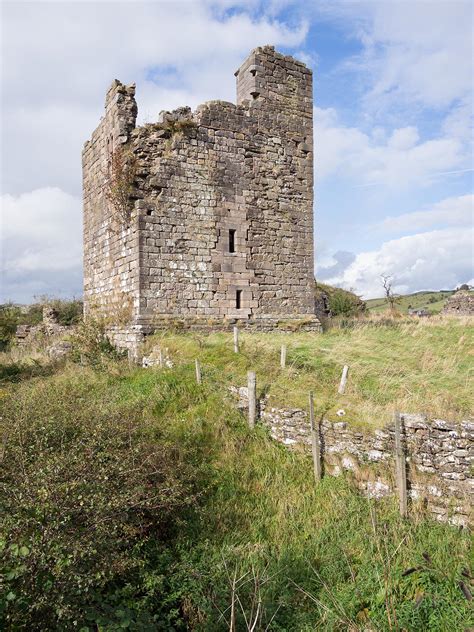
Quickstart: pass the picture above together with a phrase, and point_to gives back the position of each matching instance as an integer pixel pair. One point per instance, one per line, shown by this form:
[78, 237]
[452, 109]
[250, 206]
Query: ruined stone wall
[29, 335]
[221, 226]
[111, 276]
[440, 455]
[460, 304]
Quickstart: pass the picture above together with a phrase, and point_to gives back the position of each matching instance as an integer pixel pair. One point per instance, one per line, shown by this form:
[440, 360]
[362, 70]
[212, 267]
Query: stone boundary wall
[42, 333]
[439, 454]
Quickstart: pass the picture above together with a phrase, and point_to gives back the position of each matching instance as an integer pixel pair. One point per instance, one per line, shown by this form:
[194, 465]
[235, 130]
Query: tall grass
[413, 365]
[235, 534]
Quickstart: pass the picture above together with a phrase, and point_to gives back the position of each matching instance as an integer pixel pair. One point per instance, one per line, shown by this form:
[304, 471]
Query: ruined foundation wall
[225, 173]
[440, 455]
[460, 304]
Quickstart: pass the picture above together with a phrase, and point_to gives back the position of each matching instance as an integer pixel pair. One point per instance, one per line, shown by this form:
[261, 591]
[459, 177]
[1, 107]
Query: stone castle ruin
[204, 217]
[461, 303]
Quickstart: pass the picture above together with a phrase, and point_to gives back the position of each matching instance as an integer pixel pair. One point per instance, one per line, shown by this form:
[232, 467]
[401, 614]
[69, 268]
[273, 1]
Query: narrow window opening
[255, 95]
[149, 211]
[253, 72]
[232, 240]
[109, 155]
[238, 299]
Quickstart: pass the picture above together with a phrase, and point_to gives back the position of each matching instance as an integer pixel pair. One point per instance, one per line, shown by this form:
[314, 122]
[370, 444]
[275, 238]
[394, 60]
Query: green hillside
[432, 302]
[136, 499]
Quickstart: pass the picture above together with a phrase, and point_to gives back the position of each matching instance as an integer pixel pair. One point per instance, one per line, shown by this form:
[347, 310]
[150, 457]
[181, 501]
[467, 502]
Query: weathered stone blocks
[439, 454]
[221, 205]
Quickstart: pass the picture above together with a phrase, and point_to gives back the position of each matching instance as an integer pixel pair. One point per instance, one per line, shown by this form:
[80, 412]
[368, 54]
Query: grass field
[410, 365]
[433, 302]
[135, 499]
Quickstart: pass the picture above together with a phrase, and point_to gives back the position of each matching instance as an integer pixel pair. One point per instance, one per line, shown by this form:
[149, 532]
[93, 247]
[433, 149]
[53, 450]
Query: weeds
[91, 344]
[414, 366]
[137, 499]
[140, 500]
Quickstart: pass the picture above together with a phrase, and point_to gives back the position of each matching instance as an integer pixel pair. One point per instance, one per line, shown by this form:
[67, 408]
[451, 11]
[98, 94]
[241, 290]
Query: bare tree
[391, 298]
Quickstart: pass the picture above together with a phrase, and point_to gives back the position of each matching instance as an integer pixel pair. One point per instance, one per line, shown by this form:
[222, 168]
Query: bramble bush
[136, 499]
[91, 344]
[86, 491]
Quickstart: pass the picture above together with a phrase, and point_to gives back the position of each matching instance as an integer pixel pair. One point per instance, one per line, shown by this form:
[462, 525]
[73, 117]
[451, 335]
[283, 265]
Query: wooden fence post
[160, 358]
[236, 340]
[400, 461]
[252, 392]
[315, 447]
[283, 356]
[342, 385]
[198, 371]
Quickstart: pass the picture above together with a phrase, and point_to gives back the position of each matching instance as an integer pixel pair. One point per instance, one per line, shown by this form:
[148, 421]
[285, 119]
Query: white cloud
[59, 59]
[454, 211]
[414, 51]
[400, 161]
[41, 244]
[403, 138]
[416, 262]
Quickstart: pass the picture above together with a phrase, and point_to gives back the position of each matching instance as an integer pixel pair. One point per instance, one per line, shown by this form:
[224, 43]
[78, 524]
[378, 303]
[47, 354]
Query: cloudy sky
[393, 135]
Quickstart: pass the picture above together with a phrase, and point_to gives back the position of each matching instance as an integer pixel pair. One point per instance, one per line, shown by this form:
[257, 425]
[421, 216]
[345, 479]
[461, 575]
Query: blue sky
[393, 123]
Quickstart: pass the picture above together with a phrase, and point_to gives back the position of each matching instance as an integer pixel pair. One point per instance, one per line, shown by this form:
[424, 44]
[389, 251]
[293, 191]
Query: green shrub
[340, 302]
[343, 304]
[86, 491]
[9, 320]
[68, 312]
[91, 345]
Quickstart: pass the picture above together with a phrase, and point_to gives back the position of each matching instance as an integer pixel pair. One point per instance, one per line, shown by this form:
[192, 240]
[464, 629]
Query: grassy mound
[410, 365]
[136, 499]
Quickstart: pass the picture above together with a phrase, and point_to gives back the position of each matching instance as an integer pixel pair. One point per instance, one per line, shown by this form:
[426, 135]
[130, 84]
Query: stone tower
[204, 217]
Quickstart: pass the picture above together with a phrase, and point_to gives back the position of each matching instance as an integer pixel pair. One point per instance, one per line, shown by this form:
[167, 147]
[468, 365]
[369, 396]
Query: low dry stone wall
[47, 334]
[439, 455]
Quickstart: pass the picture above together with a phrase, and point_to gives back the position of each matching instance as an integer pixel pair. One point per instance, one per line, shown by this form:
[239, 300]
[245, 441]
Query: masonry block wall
[439, 456]
[221, 212]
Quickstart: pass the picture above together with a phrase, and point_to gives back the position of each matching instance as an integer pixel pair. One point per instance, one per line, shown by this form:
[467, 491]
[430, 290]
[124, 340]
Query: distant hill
[432, 302]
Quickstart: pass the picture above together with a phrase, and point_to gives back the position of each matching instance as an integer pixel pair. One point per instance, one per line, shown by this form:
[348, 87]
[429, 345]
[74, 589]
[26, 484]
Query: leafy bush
[91, 345]
[85, 490]
[341, 302]
[9, 319]
[68, 312]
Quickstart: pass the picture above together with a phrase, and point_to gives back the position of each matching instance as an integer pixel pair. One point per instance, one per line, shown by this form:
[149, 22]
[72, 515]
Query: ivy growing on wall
[119, 183]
